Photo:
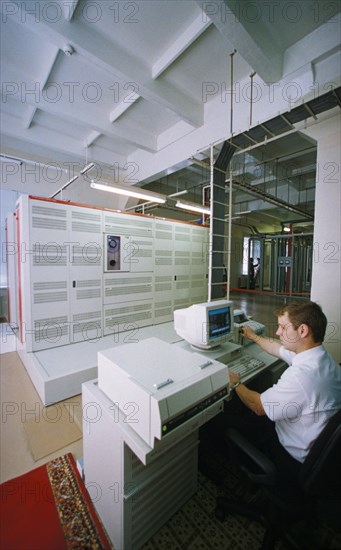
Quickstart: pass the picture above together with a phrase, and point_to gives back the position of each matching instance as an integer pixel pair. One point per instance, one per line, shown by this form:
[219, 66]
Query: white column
[326, 273]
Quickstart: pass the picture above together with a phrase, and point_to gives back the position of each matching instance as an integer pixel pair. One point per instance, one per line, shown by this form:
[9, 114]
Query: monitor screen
[205, 325]
[219, 323]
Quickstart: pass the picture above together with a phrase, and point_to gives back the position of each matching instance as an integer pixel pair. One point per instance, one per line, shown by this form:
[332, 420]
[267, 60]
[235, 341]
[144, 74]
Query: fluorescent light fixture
[184, 192]
[87, 168]
[186, 205]
[243, 212]
[287, 229]
[129, 192]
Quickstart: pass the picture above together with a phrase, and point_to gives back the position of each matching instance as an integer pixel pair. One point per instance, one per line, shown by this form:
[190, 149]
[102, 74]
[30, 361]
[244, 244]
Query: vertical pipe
[274, 255]
[262, 265]
[292, 254]
[229, 231]
[249, 252]
[251, 98]
[231, 86]
[210, 244]
[288, 282]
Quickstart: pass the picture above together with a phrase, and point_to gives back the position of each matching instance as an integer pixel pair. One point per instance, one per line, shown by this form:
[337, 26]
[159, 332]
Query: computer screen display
[205, 325]
[219, 322]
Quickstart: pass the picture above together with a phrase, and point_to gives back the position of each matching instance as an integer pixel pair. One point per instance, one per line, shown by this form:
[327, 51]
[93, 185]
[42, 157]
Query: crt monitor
[207, 325]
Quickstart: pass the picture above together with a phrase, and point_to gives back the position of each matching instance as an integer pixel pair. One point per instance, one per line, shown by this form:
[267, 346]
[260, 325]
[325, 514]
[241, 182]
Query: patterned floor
[195, 526]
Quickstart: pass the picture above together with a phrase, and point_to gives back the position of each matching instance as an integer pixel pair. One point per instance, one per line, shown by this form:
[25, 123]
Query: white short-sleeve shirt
[305, 396]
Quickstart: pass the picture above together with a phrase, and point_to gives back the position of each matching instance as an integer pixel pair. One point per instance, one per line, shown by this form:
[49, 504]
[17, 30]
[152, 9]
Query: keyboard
[245, 365]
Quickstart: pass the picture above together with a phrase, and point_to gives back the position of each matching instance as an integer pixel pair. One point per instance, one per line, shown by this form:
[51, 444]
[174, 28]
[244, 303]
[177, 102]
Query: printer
[240, 319]
[161, 387]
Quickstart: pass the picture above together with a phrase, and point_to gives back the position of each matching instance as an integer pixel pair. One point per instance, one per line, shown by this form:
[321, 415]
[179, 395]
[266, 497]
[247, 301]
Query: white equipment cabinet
[132, 499]
[86, 272]
[70, 289]
[140, 434]
[43, 277]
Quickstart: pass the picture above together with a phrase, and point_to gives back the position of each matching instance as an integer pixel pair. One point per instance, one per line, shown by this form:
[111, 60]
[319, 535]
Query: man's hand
[249, 333]
[234, 378]
[250, 398]
[267, 344]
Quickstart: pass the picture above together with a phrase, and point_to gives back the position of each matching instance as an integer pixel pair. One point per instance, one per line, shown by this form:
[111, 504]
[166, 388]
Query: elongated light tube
[129, 192]
[186, 205]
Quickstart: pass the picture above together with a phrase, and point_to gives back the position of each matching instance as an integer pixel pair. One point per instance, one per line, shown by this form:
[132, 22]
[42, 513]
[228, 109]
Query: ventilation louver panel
[130, 226]
[181, 258]
[182, 234]
[49, 254]
[87, 255]
[50, 330]
[163, 283]
[163, 257]
[50, 292]
[125, 318]
[163, 311]
[86, 221]
[44, 217]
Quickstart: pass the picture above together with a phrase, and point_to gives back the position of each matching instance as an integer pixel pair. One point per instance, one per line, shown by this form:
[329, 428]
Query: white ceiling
[148, 84]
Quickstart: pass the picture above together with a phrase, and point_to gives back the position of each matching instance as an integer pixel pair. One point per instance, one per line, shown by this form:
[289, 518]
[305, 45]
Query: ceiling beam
[99, 51]
[66, 110]
[42, 82]
[68, 145]
[91, 138]
[262, 55]
[320, 43]
[69, 8]
[28, 118]
[123, 106]
[180, 44]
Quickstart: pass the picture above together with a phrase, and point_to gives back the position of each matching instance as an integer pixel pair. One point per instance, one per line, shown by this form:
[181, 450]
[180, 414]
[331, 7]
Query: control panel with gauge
[117, 253]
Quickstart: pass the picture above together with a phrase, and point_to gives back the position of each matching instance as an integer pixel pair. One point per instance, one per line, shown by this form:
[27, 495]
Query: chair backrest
[320, 473]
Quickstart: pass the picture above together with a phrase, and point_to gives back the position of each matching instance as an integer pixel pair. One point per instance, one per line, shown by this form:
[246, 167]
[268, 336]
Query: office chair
[316, 497]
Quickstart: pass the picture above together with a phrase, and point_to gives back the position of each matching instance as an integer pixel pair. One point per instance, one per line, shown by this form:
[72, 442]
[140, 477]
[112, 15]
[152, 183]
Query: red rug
[49, 508]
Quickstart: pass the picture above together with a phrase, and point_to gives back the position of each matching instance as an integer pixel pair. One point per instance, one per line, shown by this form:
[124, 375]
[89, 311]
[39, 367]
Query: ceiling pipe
[20, 161]
[64, 187]
[83, 171]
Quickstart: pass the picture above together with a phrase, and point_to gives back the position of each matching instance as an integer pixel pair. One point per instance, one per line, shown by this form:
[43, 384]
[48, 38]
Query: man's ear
[304, 330]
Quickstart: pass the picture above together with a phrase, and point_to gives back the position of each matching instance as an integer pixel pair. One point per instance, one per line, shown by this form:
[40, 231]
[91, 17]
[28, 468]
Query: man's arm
[267, 344]
[250, 398]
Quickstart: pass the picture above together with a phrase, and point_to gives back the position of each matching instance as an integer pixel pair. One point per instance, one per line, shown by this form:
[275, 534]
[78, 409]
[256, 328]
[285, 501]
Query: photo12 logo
[270, 11]
[54, 12]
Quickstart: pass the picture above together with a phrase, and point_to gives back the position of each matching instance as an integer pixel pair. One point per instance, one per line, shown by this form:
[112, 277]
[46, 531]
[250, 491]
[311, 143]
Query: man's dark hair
[307, 313]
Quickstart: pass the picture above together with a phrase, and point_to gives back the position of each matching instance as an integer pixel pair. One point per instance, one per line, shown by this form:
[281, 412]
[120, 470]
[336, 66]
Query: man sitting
[284, 420]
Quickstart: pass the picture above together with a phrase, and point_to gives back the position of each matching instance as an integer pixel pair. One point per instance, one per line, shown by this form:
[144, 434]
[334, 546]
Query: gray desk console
[141, 435]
